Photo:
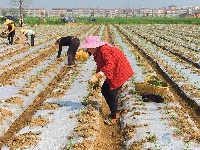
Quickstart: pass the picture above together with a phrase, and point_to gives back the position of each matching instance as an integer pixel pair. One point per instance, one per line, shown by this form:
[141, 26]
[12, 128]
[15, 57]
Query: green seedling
[70, 145]
[150, 137]
[172, 117]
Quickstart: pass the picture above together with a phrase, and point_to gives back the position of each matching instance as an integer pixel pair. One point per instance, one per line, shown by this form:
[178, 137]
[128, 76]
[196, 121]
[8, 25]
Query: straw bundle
[82, 55]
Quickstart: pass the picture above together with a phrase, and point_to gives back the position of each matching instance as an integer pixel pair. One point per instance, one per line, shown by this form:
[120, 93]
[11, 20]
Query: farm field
[46, 105]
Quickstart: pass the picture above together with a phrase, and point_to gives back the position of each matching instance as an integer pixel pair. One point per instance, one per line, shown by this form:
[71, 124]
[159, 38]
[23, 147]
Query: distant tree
[92, 13]
[196, 14]
[24, 15]
[165, 14]
[14, 11]
[127, 14]
[46, 14]
[4, 12]
[62, 15]
[118, 14]
[21, 4]
[42, 14]
[106, 14]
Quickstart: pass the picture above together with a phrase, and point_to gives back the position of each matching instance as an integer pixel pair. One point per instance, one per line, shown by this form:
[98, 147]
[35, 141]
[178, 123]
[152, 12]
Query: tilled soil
[109, 137]
[27, 115]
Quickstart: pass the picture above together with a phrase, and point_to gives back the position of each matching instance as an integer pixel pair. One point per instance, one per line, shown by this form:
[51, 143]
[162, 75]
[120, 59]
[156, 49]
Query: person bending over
[73, 42]
[113, 65]
[28, 33]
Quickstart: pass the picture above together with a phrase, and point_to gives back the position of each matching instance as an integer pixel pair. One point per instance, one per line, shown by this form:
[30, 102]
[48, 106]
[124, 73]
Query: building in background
[27, 12]
[171, 11]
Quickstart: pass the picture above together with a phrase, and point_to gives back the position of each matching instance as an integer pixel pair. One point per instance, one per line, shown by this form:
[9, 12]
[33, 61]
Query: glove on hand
[94, 79]
[96, 85]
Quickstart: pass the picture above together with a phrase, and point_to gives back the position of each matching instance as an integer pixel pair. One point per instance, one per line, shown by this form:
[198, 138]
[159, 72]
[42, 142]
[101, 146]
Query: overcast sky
[48, 4]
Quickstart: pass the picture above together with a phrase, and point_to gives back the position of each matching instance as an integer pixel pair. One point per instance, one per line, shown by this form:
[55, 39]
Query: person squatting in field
[28, 33]
[112, 64]
[11, 30]
[73, 42]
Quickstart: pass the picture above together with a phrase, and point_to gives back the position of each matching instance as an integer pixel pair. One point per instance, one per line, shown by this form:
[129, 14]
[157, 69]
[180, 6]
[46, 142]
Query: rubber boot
[32, 40]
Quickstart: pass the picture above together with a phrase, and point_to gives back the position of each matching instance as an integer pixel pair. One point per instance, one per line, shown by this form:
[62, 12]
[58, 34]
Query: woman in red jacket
[111, 63]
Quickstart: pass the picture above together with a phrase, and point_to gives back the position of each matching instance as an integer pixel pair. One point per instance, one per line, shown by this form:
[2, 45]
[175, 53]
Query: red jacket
[114, 64]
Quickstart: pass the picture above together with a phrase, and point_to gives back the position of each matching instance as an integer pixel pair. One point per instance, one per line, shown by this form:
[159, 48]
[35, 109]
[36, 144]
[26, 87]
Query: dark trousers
[21, 23]
[32, 39]
[73, 47]
[10, 38]
[111, 98]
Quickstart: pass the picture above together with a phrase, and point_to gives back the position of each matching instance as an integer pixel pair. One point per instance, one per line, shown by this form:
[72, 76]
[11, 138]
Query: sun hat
[8, 21]
[22, 30]
[92, 42]
[57, 38]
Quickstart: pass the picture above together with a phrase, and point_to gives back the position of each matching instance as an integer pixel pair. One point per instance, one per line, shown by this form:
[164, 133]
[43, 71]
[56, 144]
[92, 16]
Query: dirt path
[109, 137]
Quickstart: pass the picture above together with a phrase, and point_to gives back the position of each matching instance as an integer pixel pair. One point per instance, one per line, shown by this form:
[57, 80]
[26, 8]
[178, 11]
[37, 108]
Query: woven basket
[3, 35]
[148, 86]
[19, 40]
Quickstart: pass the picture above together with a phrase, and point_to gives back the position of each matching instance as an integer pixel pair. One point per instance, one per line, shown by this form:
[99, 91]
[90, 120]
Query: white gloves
[94, 79]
